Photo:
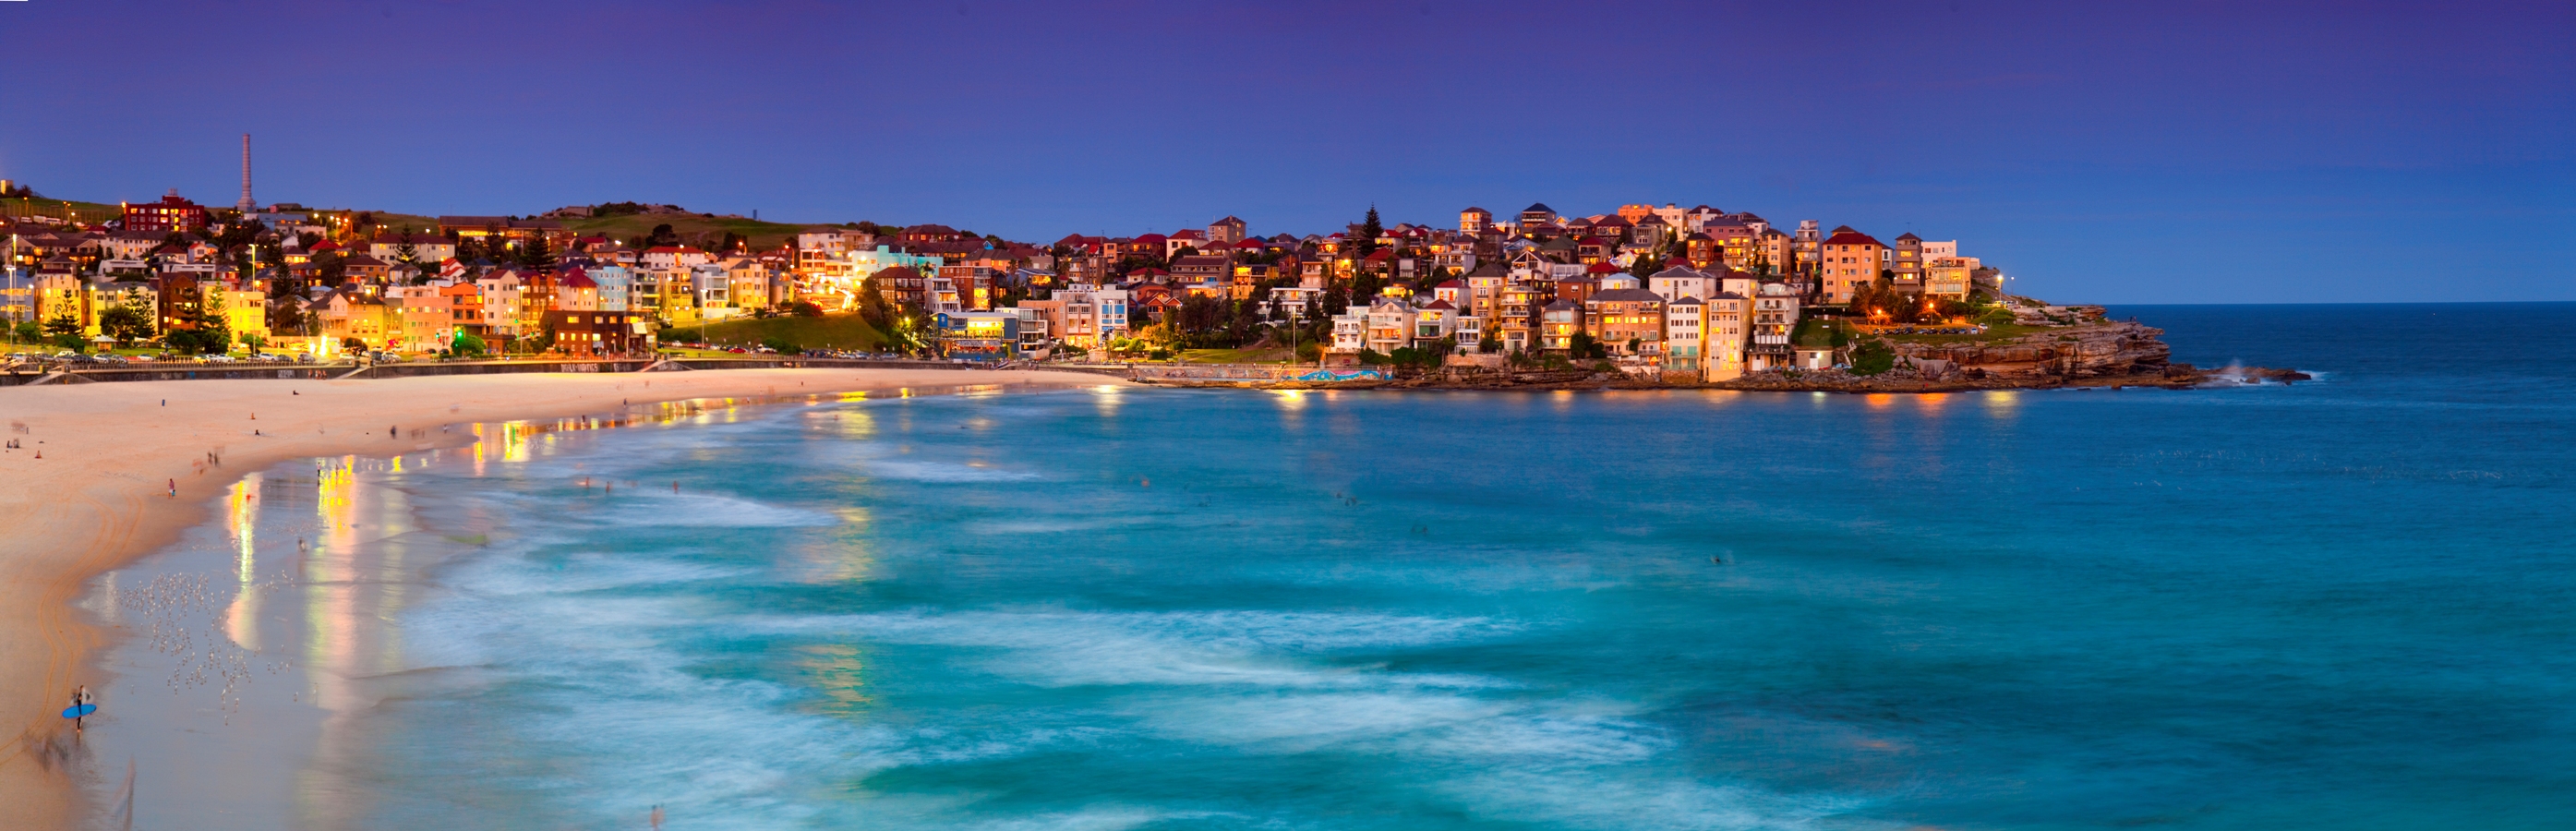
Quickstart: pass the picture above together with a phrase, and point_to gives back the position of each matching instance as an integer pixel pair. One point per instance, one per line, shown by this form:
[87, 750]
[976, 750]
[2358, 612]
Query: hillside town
[1682, 293]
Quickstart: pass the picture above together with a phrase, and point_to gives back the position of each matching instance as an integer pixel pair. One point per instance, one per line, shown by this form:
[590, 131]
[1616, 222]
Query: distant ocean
[2348, 603]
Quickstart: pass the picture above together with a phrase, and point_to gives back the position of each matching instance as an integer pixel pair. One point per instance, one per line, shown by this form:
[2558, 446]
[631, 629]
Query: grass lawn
[1818, 333]
[393, 223]
[1999, 333]
[685, 352]
[1267, 355]
[690, 227]
[834, 331]
[83, 212]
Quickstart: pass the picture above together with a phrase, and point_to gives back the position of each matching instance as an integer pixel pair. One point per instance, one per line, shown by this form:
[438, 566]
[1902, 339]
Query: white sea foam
[1642, 801]
[1060, 648]
[653, 507]
[927, 471]
[604, 682]
[1107, 818]
[879, 461]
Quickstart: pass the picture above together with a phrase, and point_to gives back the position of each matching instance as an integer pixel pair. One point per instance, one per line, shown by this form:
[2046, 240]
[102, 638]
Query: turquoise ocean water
[2343, 604]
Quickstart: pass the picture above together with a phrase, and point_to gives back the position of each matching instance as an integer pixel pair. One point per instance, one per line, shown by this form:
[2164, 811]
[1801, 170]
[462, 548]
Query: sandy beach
[90, 485]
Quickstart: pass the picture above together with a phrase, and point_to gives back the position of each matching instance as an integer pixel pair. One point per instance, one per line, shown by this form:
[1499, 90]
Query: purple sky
[2180, 152]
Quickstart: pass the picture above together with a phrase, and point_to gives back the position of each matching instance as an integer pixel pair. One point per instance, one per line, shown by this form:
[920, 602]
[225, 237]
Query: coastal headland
[2093, 354]
[99, 474]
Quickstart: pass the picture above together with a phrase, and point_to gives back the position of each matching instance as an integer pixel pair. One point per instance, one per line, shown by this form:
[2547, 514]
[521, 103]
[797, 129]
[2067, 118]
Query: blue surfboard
[80, 710]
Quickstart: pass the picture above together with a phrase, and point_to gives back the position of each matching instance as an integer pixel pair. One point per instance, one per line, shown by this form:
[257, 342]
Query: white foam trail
[650, 506]
[1177, 648]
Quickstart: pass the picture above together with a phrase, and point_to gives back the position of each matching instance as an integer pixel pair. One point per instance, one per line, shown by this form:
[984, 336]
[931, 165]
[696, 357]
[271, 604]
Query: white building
[1679, 281]
[1093, 315]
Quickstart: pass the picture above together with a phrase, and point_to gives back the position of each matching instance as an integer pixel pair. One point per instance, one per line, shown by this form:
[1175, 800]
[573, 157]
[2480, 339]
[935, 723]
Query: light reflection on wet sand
[299, 584]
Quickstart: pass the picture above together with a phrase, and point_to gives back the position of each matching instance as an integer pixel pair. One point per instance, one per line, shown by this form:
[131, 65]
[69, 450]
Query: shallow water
[2339, 604]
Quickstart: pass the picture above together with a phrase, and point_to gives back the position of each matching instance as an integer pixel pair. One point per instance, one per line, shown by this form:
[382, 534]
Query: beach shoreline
[108, 473]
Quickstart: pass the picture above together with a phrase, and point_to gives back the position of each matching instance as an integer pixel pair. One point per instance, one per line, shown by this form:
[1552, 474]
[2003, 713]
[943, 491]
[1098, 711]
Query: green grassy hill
[83, 212]
[692, 228]
[840, 331]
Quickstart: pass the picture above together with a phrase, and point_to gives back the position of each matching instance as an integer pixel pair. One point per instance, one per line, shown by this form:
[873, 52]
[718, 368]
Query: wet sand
[89, 488]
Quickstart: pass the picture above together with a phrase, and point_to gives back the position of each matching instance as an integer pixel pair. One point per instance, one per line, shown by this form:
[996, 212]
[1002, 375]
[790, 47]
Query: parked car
[217, 359]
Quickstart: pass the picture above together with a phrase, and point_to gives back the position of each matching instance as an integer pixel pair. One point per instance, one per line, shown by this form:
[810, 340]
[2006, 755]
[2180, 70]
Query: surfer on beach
[80, 709]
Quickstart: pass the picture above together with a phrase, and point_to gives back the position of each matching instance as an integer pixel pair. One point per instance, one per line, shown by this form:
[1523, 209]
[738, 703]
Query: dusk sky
[2176, 152]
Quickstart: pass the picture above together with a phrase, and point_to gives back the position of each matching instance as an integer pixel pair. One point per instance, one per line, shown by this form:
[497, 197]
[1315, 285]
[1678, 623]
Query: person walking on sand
[80, 720]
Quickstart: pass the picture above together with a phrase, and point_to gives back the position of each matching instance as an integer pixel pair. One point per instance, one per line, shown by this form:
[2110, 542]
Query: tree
[286, 316]
[1490, 343]
[405, 252]
[1582, 346]
[466, 344]
[536, 256]
[1370, 230]
[29, 331]
[198, 332]
[66, 333]
[662, 235]
[126, 322]
[252, 341]
[330, 269]
[1645, 267]
[731, 242]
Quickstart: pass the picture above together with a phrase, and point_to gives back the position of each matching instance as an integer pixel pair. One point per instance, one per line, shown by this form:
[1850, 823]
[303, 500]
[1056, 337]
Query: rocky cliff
[2092, 350]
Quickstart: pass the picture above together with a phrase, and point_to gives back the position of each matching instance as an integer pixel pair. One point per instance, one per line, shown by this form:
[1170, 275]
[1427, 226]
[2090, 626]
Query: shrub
[1872, 357]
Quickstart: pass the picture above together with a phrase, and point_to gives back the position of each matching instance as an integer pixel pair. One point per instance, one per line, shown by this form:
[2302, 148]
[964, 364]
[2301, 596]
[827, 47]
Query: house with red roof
[1850, 259]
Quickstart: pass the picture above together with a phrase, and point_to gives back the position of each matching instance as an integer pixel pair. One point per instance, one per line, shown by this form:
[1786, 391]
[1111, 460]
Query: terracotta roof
[1439, 306]
[1601, 268]
[1847, 236]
